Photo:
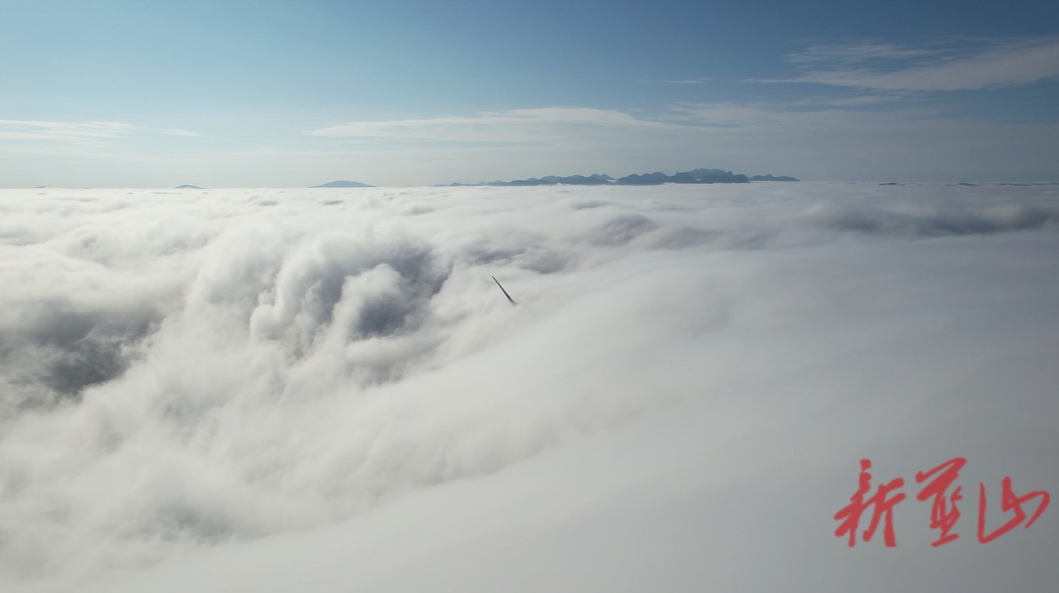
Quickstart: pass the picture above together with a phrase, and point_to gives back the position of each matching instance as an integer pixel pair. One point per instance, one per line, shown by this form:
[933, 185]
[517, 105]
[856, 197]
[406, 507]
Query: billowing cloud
[939, 68]
[326, 387]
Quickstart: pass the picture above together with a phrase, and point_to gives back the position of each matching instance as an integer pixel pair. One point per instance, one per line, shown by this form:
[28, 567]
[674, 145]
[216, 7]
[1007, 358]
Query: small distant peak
[344, 184]
[189, 186]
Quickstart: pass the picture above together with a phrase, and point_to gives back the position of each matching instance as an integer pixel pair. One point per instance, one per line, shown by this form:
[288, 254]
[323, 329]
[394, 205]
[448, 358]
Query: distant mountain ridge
[596, 179]
[694, 176]
[656, 178]
[771, 178]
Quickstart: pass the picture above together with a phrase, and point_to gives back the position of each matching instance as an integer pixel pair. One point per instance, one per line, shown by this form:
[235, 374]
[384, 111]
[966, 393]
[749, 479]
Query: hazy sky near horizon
[118, 93]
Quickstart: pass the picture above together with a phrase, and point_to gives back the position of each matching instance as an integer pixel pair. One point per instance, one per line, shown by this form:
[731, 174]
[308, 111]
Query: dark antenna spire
[504, 291]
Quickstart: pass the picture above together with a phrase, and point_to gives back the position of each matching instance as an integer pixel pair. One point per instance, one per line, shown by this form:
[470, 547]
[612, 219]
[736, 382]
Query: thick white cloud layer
[324, 390]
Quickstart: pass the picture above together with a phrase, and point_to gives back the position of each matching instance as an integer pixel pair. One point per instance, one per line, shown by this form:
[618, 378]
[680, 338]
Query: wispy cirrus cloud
[35, 130]
[511, 126]
[810, 137]
[858, 53]
[813, 115]
[939, 67]
[67, 131]
[687, 81]
[179, 133]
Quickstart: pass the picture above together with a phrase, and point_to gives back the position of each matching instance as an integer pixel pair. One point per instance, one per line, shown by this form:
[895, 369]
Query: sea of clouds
[325, 390]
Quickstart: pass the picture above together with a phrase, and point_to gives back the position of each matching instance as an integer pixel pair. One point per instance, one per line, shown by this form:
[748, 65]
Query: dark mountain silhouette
[771, 178]
[596, 179]
[344, 184]
[695, 176]
[188, 186]
[656, 178]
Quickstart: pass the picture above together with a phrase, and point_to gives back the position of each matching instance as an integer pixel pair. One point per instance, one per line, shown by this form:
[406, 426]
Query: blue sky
[282, 93]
